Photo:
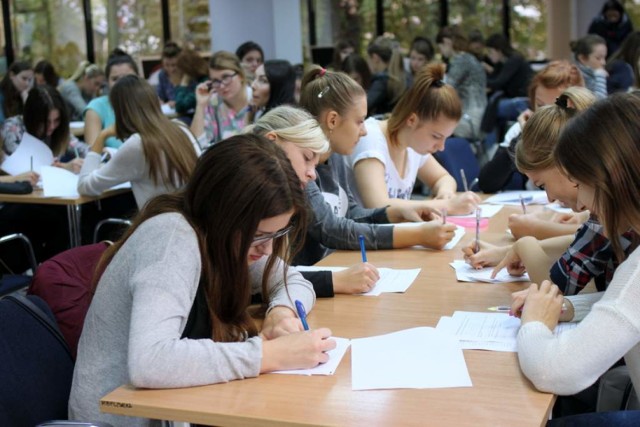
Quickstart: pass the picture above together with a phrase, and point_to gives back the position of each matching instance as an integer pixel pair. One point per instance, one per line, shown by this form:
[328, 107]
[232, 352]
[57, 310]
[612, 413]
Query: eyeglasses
[261, 240]
[225, 80]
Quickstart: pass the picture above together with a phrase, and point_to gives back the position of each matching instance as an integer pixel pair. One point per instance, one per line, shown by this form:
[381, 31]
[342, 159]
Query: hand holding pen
[476, 248]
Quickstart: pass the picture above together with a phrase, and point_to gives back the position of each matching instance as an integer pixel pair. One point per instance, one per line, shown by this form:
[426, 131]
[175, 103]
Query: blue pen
[362, 248]
[302, 314]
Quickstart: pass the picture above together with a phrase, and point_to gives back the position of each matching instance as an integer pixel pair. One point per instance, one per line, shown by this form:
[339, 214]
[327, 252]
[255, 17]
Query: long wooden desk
[73, 205]
[500, 396]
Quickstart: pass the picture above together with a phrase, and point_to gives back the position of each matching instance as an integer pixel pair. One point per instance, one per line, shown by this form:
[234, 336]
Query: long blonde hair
[169, 152]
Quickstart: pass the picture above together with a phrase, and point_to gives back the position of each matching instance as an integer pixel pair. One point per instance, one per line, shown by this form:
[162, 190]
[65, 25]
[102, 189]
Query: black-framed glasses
[261, 240]
[225, 80]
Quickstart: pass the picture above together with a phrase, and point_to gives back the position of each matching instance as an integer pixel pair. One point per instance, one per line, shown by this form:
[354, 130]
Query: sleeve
[509, 69]
[210, 123]
[74, 97]
[297, 287]
[586, 258]
[185, 98]
[342, 233]
[162, 296]
[456, 72]
[550, 361]
[128, 164]
[322, 282]
[495, 175]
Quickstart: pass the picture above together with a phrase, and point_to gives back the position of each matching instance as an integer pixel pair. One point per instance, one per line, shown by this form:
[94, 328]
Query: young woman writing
[340, 106]
[158, 155]
[301, 137]
[177, 314]
[394, 152]
[598, 151]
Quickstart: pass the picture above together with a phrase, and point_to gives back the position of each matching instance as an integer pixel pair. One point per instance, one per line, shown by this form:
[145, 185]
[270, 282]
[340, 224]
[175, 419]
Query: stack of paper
[58, 182]
[391, 279]
[31, 155]
[466, 273]
[512, 198]
[329, 368]
[487, 331]
[412, 358]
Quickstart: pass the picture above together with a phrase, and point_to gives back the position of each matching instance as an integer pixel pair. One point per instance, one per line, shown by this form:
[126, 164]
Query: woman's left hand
[543, 304]
[280, 321]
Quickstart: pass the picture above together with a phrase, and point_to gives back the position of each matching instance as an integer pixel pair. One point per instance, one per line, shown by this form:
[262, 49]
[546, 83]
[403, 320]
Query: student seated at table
[177, 314]
[599, 152]
[45, 117]
[340, 106]
[301, 137]
[274, 84]
[158, 155]
[169, 75]
[570, 262]
[393, 152]
[194, 70]
[84, 85]
[13, 88]
[590, 53]
[99, 113]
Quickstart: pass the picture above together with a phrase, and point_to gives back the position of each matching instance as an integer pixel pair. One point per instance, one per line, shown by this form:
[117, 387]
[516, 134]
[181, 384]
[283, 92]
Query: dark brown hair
[237, 183]
[40, 101]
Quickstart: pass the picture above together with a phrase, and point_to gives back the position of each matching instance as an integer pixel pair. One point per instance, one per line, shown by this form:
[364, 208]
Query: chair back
[36, 368]
[458, 155]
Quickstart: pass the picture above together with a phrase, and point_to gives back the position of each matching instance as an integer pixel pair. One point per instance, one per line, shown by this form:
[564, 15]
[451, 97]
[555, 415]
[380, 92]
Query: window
[529, 28]
[190, 23]
[484, 16]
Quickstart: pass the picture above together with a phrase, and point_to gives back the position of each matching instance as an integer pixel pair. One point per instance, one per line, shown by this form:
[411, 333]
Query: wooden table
[73, 204]
[500, 396]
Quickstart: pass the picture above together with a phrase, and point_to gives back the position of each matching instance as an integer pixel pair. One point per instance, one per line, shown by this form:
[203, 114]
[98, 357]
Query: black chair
[124, 223]
[36, 368]
[10, 283]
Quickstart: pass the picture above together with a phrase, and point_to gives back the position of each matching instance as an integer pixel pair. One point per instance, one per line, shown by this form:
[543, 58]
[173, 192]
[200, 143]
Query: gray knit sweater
[132, 332]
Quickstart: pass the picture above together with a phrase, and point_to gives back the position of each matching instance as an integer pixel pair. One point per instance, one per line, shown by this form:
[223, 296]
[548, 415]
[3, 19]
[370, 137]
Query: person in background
[421, 53]
[274, 85]
[500, 173]
[341, 50]
[177, 314]
[466, 75]
[301, 137]
[389, 78]
[81, 88]
[340, 106]
[222, 108]
[590, 53]
[251, 56]
[45, 74]
[598, 150]
[13, 89]
[158, 155]
[170, 75]
[394, 152]
[624, 65]
[357, 68]
[194, 71]
[99, 114]
[45, 117]
[612, 24]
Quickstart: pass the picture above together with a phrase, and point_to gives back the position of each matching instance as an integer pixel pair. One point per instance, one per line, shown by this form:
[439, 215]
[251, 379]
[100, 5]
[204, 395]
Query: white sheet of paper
[411, 358]
[466, 273]
[486, 211]
[487, 331]
[29, 148]
[58, 182]
[512, 198]
[76, 124]
[329, 368]
[391, 279]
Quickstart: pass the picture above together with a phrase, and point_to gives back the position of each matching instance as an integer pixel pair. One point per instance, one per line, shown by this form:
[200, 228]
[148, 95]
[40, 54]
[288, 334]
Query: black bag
[21, 187]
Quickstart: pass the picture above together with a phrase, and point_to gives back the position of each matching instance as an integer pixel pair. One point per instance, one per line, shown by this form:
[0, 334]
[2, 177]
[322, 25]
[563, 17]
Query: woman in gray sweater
[171, 307]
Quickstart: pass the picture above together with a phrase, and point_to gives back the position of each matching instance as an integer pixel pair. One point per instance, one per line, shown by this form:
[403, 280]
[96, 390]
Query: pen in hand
[302, 314]
[476, 248]
[524, 207]
[363, 250]
[444, 216]
[464, 180]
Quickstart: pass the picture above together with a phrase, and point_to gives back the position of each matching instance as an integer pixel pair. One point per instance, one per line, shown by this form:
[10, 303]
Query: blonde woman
[302, 138]
[158, 155]
[222, 103]
[81, 88]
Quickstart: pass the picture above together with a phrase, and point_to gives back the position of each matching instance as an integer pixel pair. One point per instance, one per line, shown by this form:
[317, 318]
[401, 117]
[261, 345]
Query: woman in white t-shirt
[394, 152]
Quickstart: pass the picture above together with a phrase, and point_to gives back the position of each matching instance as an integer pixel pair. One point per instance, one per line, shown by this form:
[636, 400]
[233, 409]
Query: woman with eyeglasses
[177, 314]
[222, 103]
[81, 88]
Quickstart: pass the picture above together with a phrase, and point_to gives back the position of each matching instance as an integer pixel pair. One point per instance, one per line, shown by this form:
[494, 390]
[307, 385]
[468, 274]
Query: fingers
[502, 264]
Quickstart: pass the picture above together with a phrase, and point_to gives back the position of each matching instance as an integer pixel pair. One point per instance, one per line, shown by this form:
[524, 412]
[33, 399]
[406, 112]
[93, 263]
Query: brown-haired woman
[340, 106]
[172, 301]
[394, 152]
[158, 155]
[222, 103]
[194, 71]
